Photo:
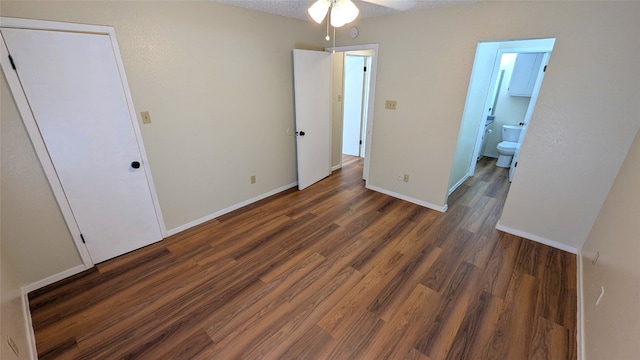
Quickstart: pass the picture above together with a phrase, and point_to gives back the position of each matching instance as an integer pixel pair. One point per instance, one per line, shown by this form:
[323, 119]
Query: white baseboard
[537, 238]
[407, 198]
[580, 322]
[456, 185]
[229, 209]
[53, 278]
[31, 335]
[336, 167]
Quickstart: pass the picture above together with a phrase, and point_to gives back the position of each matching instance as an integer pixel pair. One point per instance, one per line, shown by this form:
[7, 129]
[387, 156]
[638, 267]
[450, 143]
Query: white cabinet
[525, 73]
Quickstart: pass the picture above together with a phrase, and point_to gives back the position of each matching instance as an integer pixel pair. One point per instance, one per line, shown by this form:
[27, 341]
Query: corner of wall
[31, 336]
[580, 309]
[16, 326]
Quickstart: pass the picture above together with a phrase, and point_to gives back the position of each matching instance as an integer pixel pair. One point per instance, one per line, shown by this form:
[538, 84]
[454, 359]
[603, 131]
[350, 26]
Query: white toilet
[509, 144]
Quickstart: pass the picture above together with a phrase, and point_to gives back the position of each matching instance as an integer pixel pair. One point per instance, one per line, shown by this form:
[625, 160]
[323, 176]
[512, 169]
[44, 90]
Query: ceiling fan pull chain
[328, 38]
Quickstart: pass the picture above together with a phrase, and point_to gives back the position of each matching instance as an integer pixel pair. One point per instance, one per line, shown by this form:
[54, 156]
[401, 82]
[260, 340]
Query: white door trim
[34, 133]
[372, 97]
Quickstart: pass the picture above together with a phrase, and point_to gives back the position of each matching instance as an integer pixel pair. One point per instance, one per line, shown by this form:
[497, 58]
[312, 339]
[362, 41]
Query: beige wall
[612, 328]
[217, 81]
[14, 323]
[34, 233]
[581, 129]
[337, 85]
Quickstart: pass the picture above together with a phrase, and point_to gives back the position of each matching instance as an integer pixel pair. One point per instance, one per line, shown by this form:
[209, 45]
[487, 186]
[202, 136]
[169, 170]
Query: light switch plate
[390, 104]
[146, 118]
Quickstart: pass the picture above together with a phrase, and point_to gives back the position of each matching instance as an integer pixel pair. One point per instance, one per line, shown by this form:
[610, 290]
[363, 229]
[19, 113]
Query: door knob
[135, 164]
[300, 133]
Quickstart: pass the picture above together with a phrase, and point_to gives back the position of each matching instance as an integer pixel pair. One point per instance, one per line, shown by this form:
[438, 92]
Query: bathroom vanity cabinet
[525, 73]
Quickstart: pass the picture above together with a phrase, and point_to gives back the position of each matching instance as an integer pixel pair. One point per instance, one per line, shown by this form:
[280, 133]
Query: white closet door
[76, 95]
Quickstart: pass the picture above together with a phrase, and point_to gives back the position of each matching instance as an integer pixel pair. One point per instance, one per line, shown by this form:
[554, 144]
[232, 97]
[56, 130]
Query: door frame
[535, 48]
[370, 105]
[34, 133]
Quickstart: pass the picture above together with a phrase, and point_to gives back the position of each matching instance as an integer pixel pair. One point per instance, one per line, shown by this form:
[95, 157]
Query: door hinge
[82, 238]
[365, 68]
[545, 69]
[13, 65]
[515, 165]
[360, 142]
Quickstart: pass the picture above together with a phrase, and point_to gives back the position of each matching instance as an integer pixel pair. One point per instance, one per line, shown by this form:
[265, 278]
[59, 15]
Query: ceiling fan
[342, 12]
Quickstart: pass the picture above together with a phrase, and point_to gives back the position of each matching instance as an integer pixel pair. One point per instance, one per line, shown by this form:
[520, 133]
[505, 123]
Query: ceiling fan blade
[400, 5]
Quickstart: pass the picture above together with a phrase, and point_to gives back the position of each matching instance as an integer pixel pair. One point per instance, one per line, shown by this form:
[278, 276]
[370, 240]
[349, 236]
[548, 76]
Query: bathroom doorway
[486, 109]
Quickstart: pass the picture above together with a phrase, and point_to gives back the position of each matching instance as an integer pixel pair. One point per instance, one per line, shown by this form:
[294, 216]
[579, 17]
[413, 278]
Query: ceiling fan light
[349, 11]
[336, 19]
[318, 10]
[343, 12]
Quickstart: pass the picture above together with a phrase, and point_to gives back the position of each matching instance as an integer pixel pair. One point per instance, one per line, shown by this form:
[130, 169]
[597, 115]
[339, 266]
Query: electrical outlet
[146, 118]
[400, 176]
[13, 346]
[253, 179]
[390, 104]
[405, 178]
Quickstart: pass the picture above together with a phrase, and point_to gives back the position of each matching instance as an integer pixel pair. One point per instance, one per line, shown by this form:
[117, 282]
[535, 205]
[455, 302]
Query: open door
[527, 117]
[312, 88]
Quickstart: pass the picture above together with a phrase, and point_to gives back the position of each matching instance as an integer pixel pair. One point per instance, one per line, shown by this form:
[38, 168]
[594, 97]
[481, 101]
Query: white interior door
[312, 83]
[527, 118]
[74, 89]
[354, 76]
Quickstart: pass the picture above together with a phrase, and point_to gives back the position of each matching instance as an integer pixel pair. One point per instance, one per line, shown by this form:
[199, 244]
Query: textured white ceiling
[298, 8]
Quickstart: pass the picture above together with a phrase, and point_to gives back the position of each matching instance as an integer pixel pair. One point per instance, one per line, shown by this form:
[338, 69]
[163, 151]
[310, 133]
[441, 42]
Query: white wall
[474, 110]
[582, 127]
[612, 328]
[217, 81]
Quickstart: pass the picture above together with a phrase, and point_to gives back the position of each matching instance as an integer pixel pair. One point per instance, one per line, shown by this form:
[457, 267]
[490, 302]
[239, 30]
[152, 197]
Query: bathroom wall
[510, 110]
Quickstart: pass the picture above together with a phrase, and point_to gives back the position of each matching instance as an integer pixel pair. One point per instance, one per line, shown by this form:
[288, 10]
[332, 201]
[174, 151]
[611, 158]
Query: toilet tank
[511, 133]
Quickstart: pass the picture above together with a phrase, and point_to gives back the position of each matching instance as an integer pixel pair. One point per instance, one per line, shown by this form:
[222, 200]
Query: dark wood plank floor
[332, 272]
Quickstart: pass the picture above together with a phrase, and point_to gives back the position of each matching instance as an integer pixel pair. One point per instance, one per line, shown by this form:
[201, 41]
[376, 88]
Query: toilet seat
[507, 146]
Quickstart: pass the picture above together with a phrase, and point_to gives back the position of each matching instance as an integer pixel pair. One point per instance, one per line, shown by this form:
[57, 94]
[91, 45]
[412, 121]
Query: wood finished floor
[332, 272]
